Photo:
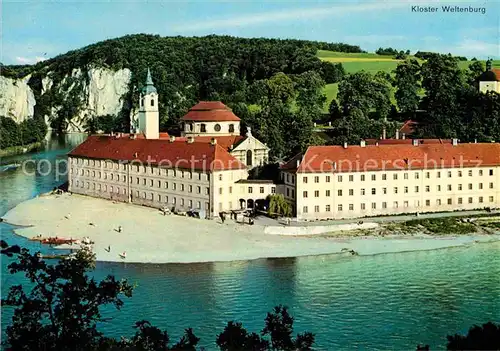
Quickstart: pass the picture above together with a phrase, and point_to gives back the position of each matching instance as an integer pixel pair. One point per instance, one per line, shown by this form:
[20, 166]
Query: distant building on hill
[490, 79]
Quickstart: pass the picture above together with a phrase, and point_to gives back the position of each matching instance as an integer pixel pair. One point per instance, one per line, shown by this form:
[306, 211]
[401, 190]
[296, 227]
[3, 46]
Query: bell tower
[149, 120]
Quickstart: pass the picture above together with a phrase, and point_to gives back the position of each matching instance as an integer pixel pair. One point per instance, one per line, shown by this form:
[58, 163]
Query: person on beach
[119, 229]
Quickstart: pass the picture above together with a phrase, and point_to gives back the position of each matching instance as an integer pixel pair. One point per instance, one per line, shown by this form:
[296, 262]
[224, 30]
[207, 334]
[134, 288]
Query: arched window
[203, 128]
[217, 127]
[152, 102]
[231, 128]
[249, 157]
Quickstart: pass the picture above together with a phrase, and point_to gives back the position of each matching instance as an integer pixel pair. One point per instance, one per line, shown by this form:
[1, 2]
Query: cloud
[472, 47]
[23, 60]
[291, 14]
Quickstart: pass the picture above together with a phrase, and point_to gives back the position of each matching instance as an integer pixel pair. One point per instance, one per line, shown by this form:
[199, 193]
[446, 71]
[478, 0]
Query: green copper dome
[149, 87]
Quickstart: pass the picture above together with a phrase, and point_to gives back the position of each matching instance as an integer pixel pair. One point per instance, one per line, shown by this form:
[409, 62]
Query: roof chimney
[414, 142]
[362, 143]
[345, 144]
[172, 138]
[397, 134]
[213, 141]
[190, 140]
[454, 141]
[403, 136]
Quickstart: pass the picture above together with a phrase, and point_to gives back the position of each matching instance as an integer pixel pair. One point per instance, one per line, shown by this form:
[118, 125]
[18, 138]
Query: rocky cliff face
[17, 100]
[99, 91]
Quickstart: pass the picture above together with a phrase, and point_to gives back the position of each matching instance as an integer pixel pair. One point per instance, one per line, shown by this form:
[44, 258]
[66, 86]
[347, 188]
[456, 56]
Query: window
[459, 200]
[362, 177]
[427, 188]
[159, 184]
[217, 127]
[491, 185]
[249, 158]
[304, 209]
[261, 190]
[470, 173]
[339, 179]
[470, 200]
[351, 178]
[416, 189]
[288, 178]
[405, 176]
[480, 172]
[406, 189]
[328, 179]
[339, 192]
[339, 207]
[207, 191]
[374, 205]
[395, 190]
[480, 199]
[470, 186]
[203, 128]
[438, 174]
[491, 198]
[395, 205]
[220, 176]
[182, 203]
[152, 102]
[250, 190]
[351, 192]
[439, 188]
[198, 205]
[190, 204]
[351, 207]
[449, 201]
[174, 186]
[287, 191]
[327, 193]
[304, 194]
[449, 187]
[190, 188]
[231, 128]
[362, 191]
[374, 177]
[316, 193]
[416, 175]
[395, 176]
[328, 209]
[459, 173]
[427, 175]
[491, 172]
[449, 174]
[438, 202]
[316, 179]
[405, 204]
[384, 176]
[374, 191]
[363, 206]
[273, 190]
[182, 187]
[427, 202]
[384, 190]
[459, 186]
[480, 186]
[304, 179]
[316, 208]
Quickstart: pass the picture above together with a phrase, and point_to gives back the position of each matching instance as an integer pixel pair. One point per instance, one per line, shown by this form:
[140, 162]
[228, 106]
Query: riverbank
[20, 149]
[147, 236]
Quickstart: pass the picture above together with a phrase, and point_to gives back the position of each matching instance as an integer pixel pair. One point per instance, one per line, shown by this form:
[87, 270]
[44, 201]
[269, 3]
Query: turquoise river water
[382, 302]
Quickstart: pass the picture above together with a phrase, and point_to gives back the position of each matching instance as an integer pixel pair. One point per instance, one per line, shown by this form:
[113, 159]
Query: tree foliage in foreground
[62, 308]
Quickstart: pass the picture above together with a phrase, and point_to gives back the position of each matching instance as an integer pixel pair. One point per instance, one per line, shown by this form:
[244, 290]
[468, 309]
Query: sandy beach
[149, 237]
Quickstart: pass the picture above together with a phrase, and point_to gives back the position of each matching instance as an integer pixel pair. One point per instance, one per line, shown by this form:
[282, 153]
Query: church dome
[488, 76]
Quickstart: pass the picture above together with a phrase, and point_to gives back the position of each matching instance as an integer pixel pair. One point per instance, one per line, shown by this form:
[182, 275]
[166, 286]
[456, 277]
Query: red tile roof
[226, 141]
[210, 111]
[199, 156]
[395, 157]
[497, 73]
[406, 141]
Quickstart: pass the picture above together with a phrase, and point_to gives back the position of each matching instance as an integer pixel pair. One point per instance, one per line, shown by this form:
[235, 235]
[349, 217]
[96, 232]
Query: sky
[32, 31]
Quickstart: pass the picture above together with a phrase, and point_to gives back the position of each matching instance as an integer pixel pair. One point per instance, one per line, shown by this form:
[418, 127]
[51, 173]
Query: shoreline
[20, 149]
[149, 237]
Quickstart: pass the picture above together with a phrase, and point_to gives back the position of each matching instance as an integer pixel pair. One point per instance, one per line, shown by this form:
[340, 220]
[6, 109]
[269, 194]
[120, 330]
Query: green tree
[279, 206]
[485, 337]
[407, 84]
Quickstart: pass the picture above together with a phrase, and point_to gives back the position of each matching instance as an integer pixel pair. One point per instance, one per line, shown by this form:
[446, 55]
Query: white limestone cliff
[17, 100]
[101, 94]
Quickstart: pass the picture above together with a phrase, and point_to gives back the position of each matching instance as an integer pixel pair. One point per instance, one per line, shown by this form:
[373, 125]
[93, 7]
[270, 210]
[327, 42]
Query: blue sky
[36, 30]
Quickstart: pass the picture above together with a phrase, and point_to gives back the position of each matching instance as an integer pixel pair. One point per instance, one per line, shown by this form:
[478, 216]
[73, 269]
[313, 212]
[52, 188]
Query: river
[390, 301]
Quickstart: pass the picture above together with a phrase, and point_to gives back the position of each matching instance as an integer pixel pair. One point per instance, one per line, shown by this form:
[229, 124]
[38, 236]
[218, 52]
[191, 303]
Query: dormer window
[231, 128]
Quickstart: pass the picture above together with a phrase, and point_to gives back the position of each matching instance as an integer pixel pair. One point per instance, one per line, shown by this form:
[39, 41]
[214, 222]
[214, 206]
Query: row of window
[373, 177]
[406, 190]
[190, 127]
[395, 204]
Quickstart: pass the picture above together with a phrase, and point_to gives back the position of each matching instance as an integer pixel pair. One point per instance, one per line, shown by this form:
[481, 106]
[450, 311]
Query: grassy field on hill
[368, 62]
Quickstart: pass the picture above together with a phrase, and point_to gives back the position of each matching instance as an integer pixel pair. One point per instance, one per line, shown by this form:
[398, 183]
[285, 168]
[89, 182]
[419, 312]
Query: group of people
[234, 216]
